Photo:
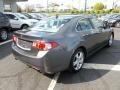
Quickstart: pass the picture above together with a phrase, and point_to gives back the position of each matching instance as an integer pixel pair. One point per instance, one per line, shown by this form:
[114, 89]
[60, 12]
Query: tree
[53, 6]
[19, 9]
[29, 8]
[98, 6]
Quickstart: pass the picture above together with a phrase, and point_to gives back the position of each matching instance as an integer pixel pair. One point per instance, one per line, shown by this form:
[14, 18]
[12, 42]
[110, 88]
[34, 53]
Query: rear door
[89, 34]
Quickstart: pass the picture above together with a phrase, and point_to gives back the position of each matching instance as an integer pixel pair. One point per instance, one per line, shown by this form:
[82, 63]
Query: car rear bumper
[49, 63]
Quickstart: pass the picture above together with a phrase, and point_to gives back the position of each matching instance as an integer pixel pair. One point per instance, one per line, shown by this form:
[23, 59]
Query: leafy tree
[98, 6]
[19, 9]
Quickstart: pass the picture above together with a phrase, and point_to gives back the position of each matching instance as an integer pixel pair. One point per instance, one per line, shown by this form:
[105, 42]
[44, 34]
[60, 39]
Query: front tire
[77, 60]
[3, 35]
[117, 24]
[24, 26]
[110, 41]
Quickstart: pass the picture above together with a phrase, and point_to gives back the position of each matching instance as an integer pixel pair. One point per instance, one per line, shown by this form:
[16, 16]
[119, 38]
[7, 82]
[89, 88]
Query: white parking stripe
[87, 66]
[54, 81]
[101, 66]
[5, 42]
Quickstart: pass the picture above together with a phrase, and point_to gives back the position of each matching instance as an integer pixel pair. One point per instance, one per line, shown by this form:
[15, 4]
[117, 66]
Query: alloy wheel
[111, 40]
[4, 35]
[78, 60]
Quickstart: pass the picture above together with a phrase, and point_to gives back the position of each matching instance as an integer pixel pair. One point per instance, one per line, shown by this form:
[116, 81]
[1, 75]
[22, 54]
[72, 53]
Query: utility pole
[85, 6]
[47, 7]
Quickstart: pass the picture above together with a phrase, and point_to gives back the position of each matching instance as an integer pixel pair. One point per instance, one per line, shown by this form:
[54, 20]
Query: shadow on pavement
[109, 56]
[5, 50]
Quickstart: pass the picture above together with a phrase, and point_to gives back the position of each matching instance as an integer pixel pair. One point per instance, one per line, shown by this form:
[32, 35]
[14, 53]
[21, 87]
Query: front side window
[97, 23]
[10, 16]
[21, 16]
[84, 25]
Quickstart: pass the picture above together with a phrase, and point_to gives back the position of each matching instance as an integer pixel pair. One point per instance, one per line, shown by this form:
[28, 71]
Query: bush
[115, 11]
[75, 11]
[97, 11]
[92, 12]
[81, 11]
[107, 11]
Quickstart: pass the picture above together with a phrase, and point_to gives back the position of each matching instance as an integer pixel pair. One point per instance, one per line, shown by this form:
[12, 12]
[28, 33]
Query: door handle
[85, 35]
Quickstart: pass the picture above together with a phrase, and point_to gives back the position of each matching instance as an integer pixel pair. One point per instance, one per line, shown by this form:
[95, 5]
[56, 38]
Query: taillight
[14, 38]
[42, 45]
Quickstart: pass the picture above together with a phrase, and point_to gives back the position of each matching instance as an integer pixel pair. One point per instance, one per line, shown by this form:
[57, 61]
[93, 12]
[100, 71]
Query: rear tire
[3, 35]
[77, 61]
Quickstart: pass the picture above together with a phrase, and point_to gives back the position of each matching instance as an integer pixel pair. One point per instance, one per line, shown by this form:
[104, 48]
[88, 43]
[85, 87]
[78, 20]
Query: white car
[19, 21]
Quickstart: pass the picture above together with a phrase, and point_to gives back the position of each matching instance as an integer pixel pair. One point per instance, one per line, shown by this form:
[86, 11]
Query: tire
[77, 60]
[117, 24]
[24, 26]
[110, 41]
[3, 35]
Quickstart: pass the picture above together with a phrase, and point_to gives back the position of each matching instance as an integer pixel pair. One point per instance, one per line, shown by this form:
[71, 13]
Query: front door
[14, 21]
[89, 34]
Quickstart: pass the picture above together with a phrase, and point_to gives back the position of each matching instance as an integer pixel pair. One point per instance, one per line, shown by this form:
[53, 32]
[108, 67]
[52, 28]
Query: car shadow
[109, 56]
[5, 50]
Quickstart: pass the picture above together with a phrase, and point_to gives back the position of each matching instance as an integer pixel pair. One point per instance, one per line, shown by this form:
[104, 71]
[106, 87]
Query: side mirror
[105, 25]
[16, 18]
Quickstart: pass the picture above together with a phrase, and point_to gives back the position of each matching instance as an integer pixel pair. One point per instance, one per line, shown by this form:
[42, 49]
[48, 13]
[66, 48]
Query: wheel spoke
[78, 55]
[75, 63]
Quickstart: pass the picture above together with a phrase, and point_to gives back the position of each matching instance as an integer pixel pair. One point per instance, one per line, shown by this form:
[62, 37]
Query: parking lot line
[54, 81]
[5, 42]
[87, 66]
[101, 66]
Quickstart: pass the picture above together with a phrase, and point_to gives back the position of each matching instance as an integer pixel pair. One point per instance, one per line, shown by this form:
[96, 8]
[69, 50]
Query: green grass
[59, 13]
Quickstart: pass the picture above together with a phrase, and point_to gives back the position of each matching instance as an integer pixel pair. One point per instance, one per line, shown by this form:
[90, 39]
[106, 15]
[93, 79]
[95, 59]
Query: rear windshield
[49, 25]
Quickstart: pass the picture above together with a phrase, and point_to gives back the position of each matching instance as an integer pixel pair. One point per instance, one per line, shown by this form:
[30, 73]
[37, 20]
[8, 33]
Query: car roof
[71, 16]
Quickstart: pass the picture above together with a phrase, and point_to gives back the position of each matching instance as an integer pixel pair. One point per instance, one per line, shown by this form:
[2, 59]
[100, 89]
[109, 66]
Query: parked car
[39, 16]
[114, 21]
[35, 16]
[107, 17]
[19, 21]
[5, 27]
[57, 44]
[29, 16]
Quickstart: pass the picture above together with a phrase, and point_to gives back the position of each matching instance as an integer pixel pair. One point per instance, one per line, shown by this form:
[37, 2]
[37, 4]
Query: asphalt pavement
[100, 72]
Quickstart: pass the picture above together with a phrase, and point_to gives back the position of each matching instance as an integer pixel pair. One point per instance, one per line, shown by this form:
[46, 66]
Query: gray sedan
[60, 43]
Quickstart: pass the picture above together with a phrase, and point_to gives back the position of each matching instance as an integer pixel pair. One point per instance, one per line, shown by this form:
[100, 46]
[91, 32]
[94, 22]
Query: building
[10, 3]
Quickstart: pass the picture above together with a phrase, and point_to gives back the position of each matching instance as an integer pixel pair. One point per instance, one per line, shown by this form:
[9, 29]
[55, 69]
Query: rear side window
[84, 25]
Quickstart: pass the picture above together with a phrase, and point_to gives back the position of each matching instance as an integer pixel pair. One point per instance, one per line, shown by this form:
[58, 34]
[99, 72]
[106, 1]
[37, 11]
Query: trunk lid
[26, 38]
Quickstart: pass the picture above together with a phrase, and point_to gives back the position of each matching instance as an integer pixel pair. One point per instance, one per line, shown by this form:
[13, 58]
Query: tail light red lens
[14, 38]
[45, 45]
